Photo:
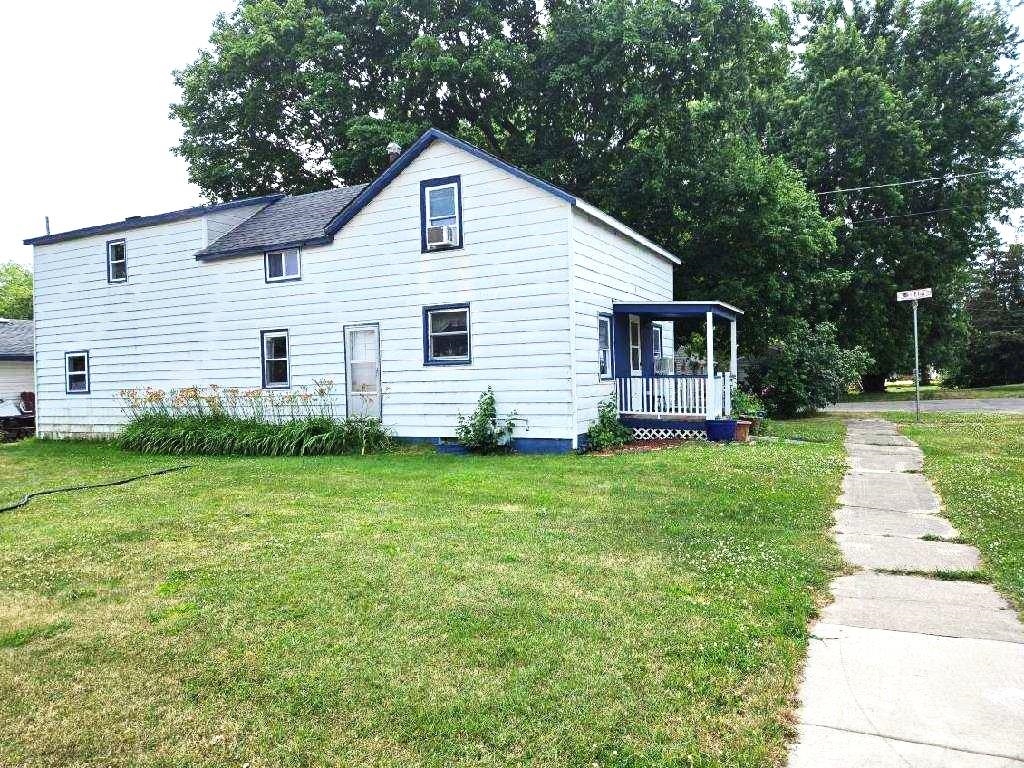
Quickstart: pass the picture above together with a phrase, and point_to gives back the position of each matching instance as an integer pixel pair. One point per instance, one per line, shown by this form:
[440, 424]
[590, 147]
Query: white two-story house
[451, 272]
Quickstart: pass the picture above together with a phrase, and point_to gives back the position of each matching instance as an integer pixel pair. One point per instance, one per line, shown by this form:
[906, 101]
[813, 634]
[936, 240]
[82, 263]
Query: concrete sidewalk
[980, 405]
[904, 670]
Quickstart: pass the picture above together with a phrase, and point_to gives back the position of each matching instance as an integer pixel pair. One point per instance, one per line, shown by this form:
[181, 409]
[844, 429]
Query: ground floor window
[76, 373]
[604, 346]
[635, 355]
[446, 335]
[276, 373]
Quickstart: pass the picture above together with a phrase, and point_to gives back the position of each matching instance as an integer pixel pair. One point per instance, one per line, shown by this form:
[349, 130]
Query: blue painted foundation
[525, 445]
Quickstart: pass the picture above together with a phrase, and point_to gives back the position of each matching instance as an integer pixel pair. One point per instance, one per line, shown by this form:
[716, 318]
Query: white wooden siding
[607, 267]
[15, 377]
[178, 322]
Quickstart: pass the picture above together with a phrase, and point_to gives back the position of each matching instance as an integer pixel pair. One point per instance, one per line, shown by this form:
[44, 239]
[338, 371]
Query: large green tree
[647, 108]
[15, 292]
[891, 91]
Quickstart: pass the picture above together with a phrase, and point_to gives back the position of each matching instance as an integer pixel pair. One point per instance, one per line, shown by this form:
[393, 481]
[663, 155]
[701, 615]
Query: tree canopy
[715, 127]
[15, 292]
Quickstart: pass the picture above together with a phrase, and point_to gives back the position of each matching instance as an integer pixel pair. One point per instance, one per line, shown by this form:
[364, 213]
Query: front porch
[661, 392]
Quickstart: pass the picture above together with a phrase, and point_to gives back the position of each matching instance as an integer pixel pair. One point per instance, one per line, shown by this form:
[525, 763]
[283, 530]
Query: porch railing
[675, 395]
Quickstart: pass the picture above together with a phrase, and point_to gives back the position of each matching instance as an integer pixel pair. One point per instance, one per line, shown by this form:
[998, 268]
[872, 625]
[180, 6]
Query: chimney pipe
[394, 151]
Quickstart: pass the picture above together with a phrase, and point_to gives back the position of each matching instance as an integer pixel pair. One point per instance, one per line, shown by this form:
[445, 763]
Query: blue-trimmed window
[279, 266]
[117, 261]
[76, 372]
[275, 352]
[604, 346]
[446, 335]
[441, 213]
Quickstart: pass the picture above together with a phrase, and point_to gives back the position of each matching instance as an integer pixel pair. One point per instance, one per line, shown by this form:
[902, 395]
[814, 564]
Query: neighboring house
[16, 374]
[451, 272]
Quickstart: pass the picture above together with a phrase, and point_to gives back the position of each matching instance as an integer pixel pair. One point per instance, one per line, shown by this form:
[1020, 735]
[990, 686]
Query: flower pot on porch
[720, 430]
[742, 433]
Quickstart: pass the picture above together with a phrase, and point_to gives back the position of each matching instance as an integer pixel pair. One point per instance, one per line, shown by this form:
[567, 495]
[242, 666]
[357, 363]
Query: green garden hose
[124, 481]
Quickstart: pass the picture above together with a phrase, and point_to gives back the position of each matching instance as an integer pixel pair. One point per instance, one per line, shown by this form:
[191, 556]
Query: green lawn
[411, 609]
[905, 391]
[977, 464]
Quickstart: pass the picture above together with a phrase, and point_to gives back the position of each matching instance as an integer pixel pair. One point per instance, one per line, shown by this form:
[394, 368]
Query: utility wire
[124, 481]
[900, 216]
[903, 183]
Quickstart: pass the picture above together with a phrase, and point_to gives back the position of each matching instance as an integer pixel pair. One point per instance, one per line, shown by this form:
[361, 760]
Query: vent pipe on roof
[394, 151]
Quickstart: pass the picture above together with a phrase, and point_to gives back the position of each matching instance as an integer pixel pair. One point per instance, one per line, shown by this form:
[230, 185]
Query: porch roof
[670, 310]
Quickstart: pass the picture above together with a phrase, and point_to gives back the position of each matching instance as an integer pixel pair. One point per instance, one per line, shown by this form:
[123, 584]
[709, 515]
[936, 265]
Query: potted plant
[751, 412]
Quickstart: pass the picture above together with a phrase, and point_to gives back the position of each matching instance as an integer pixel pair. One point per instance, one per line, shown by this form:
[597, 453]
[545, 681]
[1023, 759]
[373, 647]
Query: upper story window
[282, 265]
[276, 366]
[441, 213]
[76, 373]
[446, 335]
[117, 262]
[604, 346]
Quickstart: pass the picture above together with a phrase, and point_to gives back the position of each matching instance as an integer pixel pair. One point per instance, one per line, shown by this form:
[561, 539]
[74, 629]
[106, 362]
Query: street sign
[918, 293]
[914, 295]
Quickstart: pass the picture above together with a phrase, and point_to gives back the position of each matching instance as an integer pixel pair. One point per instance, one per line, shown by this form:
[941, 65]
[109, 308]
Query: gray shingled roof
[16, 339]
[292, 221]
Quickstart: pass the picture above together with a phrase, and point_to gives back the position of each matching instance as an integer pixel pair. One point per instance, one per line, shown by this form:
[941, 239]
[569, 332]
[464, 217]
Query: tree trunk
[873, 382]
[926, 375]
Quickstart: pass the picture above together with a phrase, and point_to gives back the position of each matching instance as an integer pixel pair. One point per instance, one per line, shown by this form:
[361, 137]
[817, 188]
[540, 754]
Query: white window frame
[122, 260]
[68, 373]
[283, 253]
[634, 322]
[264, 360]
[429, 334]
[454, 186]
[605, 353]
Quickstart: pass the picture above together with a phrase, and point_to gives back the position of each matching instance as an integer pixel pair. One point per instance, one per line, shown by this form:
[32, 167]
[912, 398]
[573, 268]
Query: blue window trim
[611, 346]
[266, 266]
[427, 359]
[263, 358]
[123, 242]
[88, 373]
[424, 186]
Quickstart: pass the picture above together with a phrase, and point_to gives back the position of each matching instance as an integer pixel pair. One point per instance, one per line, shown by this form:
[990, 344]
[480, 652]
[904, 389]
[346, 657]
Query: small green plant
[746, 403]
[482, 432]
[608, 431]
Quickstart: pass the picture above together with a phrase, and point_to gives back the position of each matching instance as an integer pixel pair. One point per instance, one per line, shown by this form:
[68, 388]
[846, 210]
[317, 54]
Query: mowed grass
[411, 609]
[905, 391]
[977, 464]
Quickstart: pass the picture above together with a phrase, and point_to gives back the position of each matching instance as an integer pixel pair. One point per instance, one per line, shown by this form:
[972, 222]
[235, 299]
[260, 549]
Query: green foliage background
[716, 127]
[15, 292]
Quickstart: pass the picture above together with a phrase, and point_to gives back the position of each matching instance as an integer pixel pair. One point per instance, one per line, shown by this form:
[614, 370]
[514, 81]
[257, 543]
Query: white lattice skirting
[657, 433]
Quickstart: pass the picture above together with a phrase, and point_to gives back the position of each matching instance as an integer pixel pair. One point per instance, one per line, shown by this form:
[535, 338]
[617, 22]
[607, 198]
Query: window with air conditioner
[441, 213]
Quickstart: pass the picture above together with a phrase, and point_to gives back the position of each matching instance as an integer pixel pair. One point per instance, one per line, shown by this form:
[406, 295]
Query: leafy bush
[608, 431]
[250, 423]
[806, 370]
[481, 433]
[746, 403]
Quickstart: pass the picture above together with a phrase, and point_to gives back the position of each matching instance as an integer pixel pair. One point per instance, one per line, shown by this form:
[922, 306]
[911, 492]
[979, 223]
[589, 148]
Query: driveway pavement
[985, 404]
[903, 670]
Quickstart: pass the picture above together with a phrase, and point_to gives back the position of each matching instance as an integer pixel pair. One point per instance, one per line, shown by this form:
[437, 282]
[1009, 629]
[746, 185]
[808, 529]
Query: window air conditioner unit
[442, 237]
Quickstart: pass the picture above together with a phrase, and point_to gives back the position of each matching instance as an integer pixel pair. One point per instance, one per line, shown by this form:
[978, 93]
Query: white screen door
[362, 361]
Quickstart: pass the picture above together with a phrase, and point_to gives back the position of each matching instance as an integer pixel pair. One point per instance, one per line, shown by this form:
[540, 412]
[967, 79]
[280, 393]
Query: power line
[901, 215]
[903, 183]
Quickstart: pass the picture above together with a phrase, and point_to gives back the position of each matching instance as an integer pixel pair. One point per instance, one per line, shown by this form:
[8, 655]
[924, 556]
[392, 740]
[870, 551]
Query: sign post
[914, 296]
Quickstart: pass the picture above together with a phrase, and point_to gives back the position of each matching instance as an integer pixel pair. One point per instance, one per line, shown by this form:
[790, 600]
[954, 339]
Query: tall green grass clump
[229, 421]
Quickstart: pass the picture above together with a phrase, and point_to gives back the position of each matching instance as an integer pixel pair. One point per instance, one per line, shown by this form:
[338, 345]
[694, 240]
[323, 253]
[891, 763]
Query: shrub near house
[247, 422]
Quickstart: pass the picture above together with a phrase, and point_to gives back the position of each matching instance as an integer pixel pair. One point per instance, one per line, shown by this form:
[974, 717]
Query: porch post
[709, 397]
[734, 365]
